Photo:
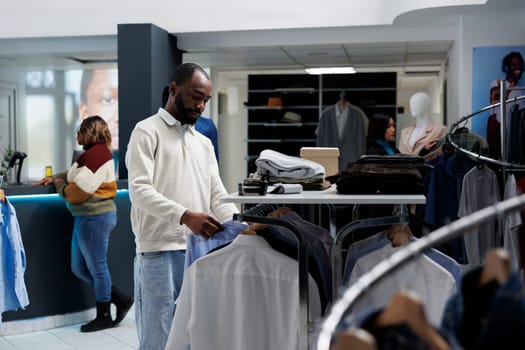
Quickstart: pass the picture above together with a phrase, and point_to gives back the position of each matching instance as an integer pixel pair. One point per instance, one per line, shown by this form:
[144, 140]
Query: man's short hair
[184, 73]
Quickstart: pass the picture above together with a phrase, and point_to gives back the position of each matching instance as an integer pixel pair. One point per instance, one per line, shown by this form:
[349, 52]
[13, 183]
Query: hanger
[448, 149]
[355, 339]
[461, 130]
[480, 163]
[407, 308]
[252, 229]
[496, 266]
[399, 234]
[261, 209]
[278, 212]
[342, 99]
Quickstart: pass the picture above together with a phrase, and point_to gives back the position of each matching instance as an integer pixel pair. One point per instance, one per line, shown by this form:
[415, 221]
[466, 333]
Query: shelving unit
[307, 96]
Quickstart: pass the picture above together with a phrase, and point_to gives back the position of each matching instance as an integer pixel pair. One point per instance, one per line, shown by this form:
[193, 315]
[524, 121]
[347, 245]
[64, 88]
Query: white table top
[328, 196]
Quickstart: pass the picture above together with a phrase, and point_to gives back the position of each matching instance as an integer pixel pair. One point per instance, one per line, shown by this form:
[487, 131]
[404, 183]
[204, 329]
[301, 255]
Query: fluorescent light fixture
[331, 70]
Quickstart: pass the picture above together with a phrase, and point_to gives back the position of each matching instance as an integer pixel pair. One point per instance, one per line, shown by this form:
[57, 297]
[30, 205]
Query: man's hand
[201, 223]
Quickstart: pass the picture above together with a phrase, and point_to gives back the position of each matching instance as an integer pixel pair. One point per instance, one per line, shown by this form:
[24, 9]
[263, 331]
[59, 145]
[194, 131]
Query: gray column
[147, 57]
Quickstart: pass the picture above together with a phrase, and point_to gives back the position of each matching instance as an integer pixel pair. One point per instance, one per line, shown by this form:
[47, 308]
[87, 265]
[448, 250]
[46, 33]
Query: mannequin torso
[424, 134]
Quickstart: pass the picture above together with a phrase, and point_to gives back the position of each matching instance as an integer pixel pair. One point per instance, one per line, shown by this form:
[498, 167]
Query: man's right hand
[201, 223]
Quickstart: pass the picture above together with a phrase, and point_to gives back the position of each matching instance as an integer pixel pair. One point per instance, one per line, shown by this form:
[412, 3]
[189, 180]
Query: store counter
[46, 227]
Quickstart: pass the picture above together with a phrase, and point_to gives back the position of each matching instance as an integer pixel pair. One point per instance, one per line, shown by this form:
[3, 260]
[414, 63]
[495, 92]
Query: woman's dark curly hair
[96, 130]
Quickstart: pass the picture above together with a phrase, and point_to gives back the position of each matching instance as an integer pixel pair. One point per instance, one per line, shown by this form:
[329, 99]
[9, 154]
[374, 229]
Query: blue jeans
[89, 248]
[158, 279]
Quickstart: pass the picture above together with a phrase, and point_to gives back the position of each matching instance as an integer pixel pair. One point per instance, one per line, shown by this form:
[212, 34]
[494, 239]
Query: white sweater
[171, 168]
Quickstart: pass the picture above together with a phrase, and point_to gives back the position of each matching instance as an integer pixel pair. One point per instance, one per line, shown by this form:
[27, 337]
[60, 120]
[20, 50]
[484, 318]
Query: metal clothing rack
[257, 214]
[411, 251]
[328, 197]
[503, 129]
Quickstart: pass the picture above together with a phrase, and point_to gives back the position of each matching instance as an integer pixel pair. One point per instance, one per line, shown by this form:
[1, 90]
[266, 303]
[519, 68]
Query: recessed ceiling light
[331, 70]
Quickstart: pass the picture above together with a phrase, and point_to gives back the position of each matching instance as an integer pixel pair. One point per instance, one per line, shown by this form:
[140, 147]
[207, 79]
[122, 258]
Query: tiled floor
[124, 336]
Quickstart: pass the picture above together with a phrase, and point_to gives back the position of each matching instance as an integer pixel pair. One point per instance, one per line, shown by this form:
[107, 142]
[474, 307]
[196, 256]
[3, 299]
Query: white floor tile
[122, 337]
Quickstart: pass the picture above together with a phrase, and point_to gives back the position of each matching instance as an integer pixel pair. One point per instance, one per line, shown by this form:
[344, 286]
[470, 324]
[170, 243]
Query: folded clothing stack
[277, 167]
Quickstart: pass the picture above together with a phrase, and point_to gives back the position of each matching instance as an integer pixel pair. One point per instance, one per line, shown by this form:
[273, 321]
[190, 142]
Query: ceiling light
[331, 70]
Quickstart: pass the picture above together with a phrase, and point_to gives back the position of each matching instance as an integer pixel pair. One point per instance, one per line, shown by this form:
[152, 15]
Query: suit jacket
[353, 143]
[432, 132]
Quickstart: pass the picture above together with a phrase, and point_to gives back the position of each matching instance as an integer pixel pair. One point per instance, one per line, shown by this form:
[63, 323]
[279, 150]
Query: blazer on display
[432, 132]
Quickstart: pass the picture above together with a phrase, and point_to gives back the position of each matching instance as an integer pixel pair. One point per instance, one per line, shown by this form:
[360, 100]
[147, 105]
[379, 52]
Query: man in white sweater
[175, 189]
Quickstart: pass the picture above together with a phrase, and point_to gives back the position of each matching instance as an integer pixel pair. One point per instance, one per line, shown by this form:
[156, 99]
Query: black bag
[384, 174]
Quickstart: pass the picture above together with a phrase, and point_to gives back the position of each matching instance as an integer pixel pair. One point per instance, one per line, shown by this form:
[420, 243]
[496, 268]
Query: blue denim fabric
[89, 248]
[13, 292]
[158, 279]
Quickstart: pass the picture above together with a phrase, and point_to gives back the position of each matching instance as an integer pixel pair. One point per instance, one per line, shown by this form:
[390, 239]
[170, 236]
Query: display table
[330, 198]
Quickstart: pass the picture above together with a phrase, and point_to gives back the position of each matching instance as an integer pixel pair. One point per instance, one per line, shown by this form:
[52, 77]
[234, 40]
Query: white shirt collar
[171, 121]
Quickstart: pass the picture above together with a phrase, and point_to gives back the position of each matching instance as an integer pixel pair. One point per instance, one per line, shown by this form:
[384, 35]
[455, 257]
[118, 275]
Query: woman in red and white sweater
[89, 187]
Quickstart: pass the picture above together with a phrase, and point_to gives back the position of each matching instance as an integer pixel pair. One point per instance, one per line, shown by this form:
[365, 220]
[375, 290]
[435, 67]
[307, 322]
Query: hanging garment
[199, 245]
[512, 149]
[511, 225]
[494, 137]
[479, 240]
[242, 296]
[319, 243]
[379, 240]
[429, 280]
[521, 230]
[470, 141]
[352, 144]
[13, 292]
[443, 193]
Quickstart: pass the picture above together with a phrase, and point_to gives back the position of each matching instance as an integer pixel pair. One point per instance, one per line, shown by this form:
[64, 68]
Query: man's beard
[183, 113]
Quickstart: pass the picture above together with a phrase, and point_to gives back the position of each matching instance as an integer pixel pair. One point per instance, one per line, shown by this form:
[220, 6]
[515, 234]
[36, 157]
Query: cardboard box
[326, 156]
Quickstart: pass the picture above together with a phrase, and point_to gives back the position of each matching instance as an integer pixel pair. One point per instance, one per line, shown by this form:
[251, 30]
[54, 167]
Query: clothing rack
[478, 156]
[257, 214]
[410, 251]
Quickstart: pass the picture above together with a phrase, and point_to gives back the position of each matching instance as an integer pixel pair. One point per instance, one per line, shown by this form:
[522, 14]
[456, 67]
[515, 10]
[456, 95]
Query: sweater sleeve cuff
[182, 217]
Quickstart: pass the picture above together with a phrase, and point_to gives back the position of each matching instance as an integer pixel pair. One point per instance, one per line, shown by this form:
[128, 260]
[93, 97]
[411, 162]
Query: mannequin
[424, 135]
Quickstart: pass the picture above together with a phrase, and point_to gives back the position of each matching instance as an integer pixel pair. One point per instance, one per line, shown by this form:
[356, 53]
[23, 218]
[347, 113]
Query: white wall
[232, 126]
[16, 79]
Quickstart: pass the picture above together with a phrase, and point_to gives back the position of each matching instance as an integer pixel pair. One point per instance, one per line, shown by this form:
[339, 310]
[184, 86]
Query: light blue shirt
[13, 292]
[199, 246]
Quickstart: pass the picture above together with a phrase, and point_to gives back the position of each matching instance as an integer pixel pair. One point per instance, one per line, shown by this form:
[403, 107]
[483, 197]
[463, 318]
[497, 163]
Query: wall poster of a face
[56, 103]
